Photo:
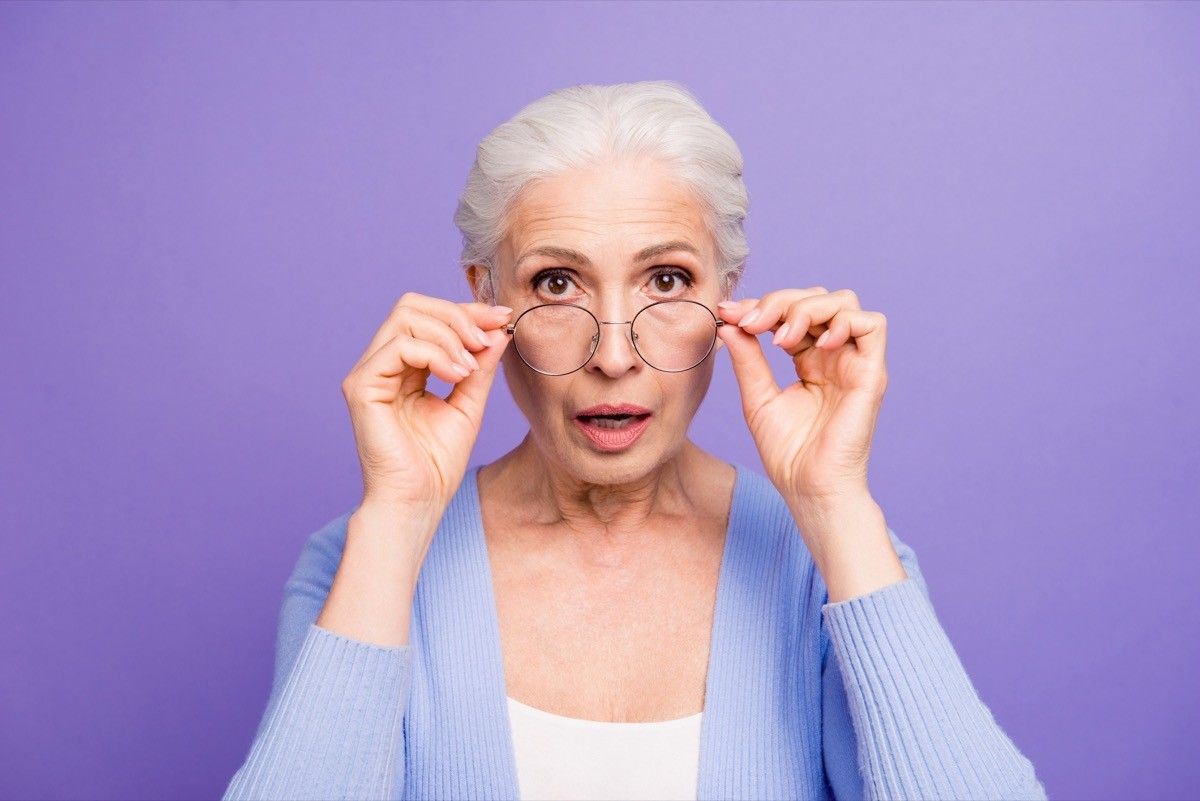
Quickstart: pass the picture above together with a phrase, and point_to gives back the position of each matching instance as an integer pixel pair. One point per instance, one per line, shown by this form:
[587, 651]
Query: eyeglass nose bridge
[632, 333]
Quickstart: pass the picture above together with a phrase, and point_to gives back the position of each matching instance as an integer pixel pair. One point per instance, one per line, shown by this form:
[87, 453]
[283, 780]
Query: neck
[607, 521]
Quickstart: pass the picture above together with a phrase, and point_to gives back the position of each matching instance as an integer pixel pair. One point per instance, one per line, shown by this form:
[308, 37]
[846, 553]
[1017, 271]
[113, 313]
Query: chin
[621, 467]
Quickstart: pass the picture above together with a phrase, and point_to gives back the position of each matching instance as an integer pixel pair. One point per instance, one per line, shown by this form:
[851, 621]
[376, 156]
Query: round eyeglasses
[559, 338]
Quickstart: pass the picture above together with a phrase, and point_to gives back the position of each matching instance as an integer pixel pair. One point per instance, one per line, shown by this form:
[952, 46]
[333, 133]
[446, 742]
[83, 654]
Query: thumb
[470, 395]
[755, 379]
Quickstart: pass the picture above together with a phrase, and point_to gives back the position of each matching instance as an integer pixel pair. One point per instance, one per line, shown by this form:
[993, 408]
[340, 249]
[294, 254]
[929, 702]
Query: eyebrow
[575, 257]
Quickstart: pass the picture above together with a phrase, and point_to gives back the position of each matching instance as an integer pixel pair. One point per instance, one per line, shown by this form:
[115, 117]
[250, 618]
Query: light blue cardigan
[864, 698]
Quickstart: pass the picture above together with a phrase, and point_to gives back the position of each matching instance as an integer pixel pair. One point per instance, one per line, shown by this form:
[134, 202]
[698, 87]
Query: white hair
[589, 124]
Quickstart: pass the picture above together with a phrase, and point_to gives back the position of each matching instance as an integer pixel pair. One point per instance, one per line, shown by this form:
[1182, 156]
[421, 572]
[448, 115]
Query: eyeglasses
[671, 336]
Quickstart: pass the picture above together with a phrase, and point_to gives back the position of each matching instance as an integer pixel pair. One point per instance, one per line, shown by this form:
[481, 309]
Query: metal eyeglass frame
[509, 328]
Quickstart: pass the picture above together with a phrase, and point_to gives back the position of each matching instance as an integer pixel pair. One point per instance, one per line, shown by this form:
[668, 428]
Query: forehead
[616, 210]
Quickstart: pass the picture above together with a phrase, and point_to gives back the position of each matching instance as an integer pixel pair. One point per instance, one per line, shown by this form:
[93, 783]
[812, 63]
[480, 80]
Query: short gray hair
[587, 124]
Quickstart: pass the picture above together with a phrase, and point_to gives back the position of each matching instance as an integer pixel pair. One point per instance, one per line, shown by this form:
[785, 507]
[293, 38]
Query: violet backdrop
[207, 209]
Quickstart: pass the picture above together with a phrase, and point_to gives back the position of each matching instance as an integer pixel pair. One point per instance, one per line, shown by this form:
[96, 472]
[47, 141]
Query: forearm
[333, 726]
[921, 730]
[849, 542]
[371, 597]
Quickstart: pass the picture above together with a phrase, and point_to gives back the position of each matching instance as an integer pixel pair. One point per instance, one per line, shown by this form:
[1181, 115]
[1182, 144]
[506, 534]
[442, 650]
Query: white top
[572, 759]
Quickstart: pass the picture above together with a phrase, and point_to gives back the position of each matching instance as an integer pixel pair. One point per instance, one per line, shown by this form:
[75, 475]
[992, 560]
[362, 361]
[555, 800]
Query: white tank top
[572, 759]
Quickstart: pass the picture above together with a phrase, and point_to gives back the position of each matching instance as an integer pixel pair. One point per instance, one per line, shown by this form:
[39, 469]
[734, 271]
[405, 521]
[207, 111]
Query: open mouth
[613, 432]
[612, 420]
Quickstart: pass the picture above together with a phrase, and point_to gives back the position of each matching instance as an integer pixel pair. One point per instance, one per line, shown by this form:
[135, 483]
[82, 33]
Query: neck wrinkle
[610, 523]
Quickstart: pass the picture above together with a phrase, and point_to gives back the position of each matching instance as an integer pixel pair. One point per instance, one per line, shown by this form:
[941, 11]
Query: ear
[475, 273]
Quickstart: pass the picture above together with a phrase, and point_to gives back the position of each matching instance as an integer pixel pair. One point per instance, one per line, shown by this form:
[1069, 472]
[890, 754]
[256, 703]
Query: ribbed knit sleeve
[334, 722]
[921, 730]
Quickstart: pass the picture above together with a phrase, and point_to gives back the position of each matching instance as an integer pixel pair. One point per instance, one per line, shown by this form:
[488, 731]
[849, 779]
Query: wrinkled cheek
[534, 395]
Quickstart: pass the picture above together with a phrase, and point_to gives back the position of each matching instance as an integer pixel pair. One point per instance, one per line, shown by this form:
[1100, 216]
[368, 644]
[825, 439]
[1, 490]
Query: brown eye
[667, 280]
[554, 282]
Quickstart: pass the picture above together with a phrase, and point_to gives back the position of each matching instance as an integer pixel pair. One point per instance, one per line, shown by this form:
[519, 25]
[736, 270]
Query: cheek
[538, 396]
[692, 389]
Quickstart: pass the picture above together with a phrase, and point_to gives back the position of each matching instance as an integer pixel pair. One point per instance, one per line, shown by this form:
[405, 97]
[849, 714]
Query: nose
[615, 354]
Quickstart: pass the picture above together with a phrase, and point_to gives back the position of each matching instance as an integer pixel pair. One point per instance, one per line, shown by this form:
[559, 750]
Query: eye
[672, 278]
[556, 281]
[555, 284]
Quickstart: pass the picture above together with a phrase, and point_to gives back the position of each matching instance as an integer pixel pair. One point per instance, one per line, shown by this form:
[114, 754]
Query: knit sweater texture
[864, 698]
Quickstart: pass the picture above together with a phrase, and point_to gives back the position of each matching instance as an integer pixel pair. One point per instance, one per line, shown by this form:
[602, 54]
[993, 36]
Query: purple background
[207, 209]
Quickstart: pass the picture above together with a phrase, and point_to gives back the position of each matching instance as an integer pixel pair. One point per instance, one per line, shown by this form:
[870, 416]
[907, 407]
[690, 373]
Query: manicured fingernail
[751, 317]
[480, 337]
[458, 368]
[502, 310]
[469, 360]
[821, 340]
[780, 334]
[727, 304]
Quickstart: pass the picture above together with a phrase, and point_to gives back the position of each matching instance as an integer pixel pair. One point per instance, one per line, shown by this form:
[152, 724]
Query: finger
[868, 330]
[422, 326]
[793, 347]
[795, 329]
[764, 314]
[411, 360]
[471, 320]
[733, 310]
[470, 395]
[809, 313]
[756, 382]
[798, 331]
[465, 318]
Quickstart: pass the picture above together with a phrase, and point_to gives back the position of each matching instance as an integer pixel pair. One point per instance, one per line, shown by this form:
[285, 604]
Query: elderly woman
[608, 611]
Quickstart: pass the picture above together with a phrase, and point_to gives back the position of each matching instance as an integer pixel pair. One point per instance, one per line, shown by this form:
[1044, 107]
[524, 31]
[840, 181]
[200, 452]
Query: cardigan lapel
[462, 746]
[761, 724]
[724, 713]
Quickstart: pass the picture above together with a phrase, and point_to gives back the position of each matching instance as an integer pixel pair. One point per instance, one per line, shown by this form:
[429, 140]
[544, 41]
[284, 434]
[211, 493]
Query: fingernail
[502, 310]
[727, 304]
[751, 317]
[470, 360]
[780, 334]
[481, 337]
[821, 340]
[458, 368]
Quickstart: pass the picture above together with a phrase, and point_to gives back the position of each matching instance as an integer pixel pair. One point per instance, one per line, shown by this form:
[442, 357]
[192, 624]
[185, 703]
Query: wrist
[848, 538]
[393, 539]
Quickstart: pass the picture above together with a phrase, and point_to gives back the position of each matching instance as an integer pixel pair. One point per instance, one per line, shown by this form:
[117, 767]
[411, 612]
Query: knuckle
[820, 289]
[462, 318]
[452, 341]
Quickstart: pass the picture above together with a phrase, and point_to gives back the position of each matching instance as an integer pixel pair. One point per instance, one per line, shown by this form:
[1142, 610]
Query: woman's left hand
[814, 436]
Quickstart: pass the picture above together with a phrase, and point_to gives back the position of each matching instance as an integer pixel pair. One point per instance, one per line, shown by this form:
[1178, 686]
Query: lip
[614, 439]
[608, 408]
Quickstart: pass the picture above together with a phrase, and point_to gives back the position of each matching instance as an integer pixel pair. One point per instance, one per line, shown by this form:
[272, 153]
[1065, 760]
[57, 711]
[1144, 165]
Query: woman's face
[607, 215]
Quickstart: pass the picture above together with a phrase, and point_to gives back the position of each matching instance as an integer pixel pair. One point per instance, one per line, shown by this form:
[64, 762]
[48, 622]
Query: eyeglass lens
[560, 338]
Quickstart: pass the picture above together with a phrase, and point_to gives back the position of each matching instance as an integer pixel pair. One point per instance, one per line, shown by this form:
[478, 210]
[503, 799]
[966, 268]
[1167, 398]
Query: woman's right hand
[414, 445]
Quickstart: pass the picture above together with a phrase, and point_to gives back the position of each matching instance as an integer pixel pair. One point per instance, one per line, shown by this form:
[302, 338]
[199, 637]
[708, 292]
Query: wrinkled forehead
[612, 215]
